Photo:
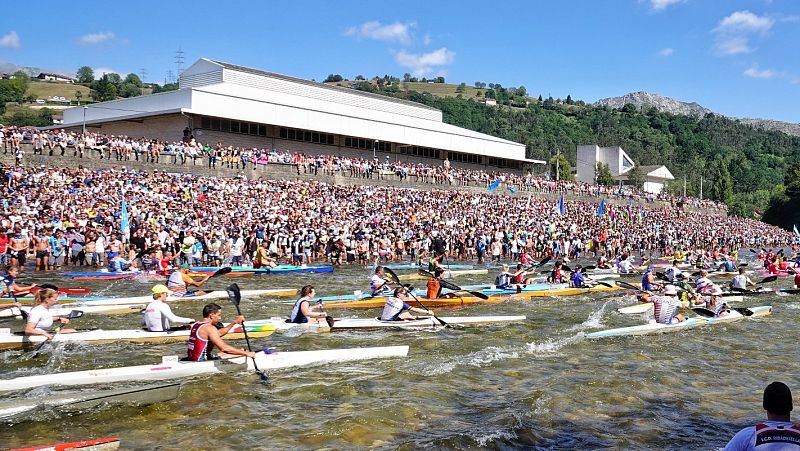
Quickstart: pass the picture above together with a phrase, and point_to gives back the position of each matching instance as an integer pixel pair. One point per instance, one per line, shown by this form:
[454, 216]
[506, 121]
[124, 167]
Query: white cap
[670, 289]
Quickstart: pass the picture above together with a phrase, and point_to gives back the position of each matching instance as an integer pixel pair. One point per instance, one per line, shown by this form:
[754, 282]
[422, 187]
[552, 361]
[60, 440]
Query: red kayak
[66, 290]
[85, 445]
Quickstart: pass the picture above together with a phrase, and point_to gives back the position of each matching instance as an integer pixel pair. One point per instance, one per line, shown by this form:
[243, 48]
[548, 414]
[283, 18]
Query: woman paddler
[40, 320]
[302, 312]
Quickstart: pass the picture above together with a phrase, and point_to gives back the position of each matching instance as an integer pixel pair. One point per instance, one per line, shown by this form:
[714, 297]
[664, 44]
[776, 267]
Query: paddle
[704, 312]
[543, 261]
[72, 315]
[235, 296]
[768, 280]
[426, 308]
[392, 275]
[328, 318]
[630, 287]
[456, 288]
[221, 272]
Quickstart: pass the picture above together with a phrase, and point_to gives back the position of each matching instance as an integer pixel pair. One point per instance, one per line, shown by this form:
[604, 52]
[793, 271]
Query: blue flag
[560, 206]
[794, 226]
[512, 190]
[494, 185]
[601, 210]
[124, 217]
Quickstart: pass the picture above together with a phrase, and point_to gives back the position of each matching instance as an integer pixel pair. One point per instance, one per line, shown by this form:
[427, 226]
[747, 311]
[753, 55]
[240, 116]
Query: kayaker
[520, 276]
[179, 280]
[778, 432]
[624, 266]
[158, 314]
[602, 263]
[435, 264]
[702, 282]
[672, 271]
[302, 312]
[665, 307]
[10, 286]
[715, 302]
[398, 309]
[40, 320]
[117, 264]
[686, 293]
[503, 280]
[577, 279]
[555, 274]
[797, 280]
[649, 281]
[741, 281]
[204, 336]
[433, 288]
[379, 284]
[728, 265]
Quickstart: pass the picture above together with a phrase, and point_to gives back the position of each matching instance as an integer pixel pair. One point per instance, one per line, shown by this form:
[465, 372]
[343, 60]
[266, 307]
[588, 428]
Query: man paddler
[665, 307]
[204, 336]
[379, 284]
[180, 280]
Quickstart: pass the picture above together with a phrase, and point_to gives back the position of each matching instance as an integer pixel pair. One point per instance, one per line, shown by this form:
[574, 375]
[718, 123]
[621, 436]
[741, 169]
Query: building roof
[253, 71]
[657, 171]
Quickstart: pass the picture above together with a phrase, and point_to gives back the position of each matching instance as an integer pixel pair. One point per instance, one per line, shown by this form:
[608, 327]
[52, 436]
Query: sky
[737, 57]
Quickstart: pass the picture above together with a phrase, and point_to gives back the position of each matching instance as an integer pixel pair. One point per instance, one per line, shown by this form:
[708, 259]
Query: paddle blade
[422, 272]
[628, 286]
[769, 279]
[75, 314]
[329, 319]
[449, 285]
[234, 294]
[222, 271]
[48, 286]
[704, 312]
[605, 284]
[478, 294]
[392, 275]
[744, 311]
[544, 261]
[662, 276]
[589, 268]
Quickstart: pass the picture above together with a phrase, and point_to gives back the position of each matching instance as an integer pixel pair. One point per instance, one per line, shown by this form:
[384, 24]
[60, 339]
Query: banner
[601, 210]
[494, 185]
[559, 208]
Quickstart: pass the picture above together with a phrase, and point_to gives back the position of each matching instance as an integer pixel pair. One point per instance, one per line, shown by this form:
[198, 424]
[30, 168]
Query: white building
[240, 106]
[590, 155]
[655, 177]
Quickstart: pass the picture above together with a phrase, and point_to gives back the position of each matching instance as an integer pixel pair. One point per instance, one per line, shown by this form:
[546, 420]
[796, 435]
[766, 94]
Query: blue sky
[737, 57]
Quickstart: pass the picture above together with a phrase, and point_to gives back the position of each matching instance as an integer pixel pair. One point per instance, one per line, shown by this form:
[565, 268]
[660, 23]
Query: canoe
[113, 275]
[209, 296]
[202, 270]
[64, 309]
[102, 444]
[653, 327]
[379, 301]
[172, 368]
[446, 275]
[14, 340]
[425, 267]
[77, 402]
[376, 324]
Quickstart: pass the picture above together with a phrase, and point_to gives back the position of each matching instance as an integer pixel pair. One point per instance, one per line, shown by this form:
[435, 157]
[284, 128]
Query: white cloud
[393, 32]
[96, 38]
[666, 51]
[755, 72]
[425, 63]
[660, 5]
[10, 40]
[745, 21]
[99, 71]
[733, 46]
[790, 19]
[426, 39]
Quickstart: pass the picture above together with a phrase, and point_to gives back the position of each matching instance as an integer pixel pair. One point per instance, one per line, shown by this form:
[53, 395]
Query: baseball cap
[670, 289]
[778, 398]
[160, 288]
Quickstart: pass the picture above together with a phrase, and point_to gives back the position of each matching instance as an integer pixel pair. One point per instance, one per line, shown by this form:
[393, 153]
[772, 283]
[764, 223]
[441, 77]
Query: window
[262, 130]
[234, 127]
[205, 122]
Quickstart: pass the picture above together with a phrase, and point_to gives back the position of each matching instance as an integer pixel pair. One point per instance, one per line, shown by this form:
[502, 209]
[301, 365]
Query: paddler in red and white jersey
[778, 433]
[665, 307]
[204, 336]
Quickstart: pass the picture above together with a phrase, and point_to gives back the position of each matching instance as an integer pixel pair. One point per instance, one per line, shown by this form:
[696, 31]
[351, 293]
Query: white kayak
[210, 296]
[644, 307]
[653, 327]
[64, 309]
[12, 340]
[172, 368]
[376, 323]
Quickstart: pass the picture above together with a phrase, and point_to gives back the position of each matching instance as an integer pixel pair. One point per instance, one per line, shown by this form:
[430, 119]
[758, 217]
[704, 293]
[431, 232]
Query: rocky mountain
[666, 104]
[7, 67]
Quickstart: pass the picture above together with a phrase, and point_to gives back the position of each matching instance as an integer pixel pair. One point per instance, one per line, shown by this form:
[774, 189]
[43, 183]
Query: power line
[179, 58]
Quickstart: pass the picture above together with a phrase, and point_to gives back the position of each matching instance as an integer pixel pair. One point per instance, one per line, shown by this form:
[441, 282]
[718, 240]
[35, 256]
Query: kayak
[113, 275]
[568, 291]
[65, 309]
[489, 290]
[653, 327]
[14, 340]
[379, 301]
[494, 291]
[61, 298]
[446, 275]
[425, 267]
[104, 444]
[172, 368]
[376, 324]
[201, 270]
[645, 307]
[211, 295]
[77, 402]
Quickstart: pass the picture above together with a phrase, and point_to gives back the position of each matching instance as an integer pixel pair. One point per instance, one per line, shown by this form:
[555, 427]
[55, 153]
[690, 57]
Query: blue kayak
[425, 267]
[265, 270]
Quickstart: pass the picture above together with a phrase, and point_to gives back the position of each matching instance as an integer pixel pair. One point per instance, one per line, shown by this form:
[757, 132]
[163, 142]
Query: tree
[603, 175]
[439, 79]
[540, 98]
[792, 180]
[521, 91]
[722, 187]
[114, 79]
[85, 74]
[406, 77]
[129, 90]
[360, 78]
[332, 78]
[165, 88]
[461, 88]
[78, 96]
[569, 100]
[134, 80]
[564, 168]
[635, 176]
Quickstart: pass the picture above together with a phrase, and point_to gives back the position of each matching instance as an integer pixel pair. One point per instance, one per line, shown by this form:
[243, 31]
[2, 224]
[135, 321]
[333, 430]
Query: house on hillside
[655, 177]
[54, 77]
[489, 101]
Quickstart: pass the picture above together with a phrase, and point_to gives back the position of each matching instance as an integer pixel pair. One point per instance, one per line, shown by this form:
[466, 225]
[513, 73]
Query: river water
[539, 384]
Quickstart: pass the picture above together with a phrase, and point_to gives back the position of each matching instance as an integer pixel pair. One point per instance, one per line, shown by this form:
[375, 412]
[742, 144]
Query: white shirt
[779, 436]
[41, 318]
[158, 315]
[740, 281]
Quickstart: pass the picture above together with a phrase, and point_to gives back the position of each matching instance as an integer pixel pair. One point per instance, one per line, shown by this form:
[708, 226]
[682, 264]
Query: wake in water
[593, 322]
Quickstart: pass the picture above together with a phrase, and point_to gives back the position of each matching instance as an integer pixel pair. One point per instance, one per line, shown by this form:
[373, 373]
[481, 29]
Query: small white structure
[55, 77]
[655, 177]
[590, 155]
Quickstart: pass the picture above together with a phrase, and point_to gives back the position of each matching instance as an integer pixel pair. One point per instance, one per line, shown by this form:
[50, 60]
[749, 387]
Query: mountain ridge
[643, 99]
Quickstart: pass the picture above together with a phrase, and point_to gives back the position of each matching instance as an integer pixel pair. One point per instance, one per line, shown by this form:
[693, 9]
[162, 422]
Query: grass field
[44, 90]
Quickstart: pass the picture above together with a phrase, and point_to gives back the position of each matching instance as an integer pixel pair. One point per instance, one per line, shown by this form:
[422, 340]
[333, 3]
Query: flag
[601, 210]
[494, 185]
[560, 206]
[794, 227]
[124, 215]
[512, 190]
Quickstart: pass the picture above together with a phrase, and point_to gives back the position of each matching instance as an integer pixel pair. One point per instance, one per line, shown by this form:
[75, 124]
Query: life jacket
[502, 280]
[434, 288]
[297, 316]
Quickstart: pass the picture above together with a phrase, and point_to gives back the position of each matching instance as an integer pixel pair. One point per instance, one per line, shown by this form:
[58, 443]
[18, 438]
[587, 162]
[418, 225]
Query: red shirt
[3, 243]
